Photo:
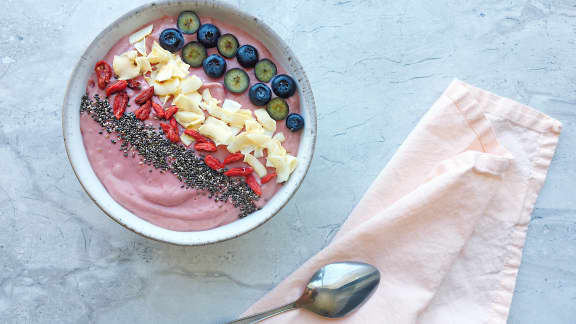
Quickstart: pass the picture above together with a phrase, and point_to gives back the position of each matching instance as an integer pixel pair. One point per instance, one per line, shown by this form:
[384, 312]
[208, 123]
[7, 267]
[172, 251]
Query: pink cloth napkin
[446, 219]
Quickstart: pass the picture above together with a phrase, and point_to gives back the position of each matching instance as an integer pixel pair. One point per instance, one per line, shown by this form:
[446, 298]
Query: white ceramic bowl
[100, 46]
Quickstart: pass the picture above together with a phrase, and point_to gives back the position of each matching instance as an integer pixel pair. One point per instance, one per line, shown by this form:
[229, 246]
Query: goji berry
[91, 83]
[170, 111]
[143, 112]
[239, 172]
[174, 124]
[197, 136]
[213, 163]
[173, 136]
[253, 184]
[103, 73]
[208, 147]
[268, 177]
[120, 104]
[144, 96]
[134, 84]
[116, 87]
[158, 110]
[233, 158]
[165, 128]
[170, 133]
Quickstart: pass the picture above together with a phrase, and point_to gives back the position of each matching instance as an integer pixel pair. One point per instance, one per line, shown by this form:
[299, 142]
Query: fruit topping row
[207, 122]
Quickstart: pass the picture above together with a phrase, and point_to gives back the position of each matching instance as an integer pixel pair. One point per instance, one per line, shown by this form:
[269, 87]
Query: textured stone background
[375, 67]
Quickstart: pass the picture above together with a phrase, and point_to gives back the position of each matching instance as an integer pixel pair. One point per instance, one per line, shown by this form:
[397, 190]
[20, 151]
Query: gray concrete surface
[375, 67]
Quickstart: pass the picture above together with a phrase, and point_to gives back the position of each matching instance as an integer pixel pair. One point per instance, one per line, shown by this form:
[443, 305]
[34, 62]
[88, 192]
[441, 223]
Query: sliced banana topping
[158, 54]
[284, 165]
[189, 119]
[258, 167]
[191, 84]
[143, 64]
[217, 130]
[140, 46]
[264, 118]
[231, 105]
[165, 88]
[279, 137]
[125, 65]
[190, 102]
[141, 34]
[254, 127]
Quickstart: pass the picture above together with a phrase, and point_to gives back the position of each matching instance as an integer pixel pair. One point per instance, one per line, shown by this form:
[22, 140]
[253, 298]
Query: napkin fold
[445, 221]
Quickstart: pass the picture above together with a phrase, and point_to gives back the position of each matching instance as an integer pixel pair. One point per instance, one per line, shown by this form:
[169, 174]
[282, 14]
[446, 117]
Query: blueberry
[265, 70]
[247, 56]
[214, 66]
[236, 80]
[278, 109]
[194, 54]
[283, 85]
[208, 35]
[294, 122]
[171, 39]
[260, 94]
[188, 22]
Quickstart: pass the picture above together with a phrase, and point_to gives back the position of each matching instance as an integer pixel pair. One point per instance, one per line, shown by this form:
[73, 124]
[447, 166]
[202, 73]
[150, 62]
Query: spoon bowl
[334, 290]
[338, 288]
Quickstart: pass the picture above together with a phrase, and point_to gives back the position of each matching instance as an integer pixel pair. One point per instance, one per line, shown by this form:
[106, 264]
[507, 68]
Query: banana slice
[141, 34]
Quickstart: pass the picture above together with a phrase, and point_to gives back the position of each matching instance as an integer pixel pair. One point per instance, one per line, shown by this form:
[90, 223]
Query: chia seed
[155, 150]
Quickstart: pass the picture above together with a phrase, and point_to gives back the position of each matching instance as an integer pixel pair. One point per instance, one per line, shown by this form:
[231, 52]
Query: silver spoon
[333, 291]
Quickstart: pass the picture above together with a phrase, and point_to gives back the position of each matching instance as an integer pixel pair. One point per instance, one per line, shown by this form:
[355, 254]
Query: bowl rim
[303, 83]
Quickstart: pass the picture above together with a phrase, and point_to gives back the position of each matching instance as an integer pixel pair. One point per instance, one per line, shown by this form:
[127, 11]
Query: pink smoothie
[158, 197]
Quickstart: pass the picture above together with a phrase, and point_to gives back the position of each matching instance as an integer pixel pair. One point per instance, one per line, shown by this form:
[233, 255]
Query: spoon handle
[262, 316]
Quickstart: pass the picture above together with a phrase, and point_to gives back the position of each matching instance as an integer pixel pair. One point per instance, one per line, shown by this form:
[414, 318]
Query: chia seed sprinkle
[157, 151]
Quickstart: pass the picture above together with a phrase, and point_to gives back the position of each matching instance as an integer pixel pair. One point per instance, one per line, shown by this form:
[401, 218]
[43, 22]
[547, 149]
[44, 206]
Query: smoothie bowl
[189, 122]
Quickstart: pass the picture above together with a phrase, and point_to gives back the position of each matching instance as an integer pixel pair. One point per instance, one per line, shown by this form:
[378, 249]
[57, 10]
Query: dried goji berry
[208, 147]
[143, 112]
[174, 124]
[116, 87]
[166, 128]
[268, 177]
[233, 158]
[197, 136]
[91, 83]
[158, 110]
[144, 96]
[173, 136]
[120, 104]
[253, 184]
[134, 84]
[170, 111]
[170, 133]
[239, 172]
[103, 73]
[213, 163]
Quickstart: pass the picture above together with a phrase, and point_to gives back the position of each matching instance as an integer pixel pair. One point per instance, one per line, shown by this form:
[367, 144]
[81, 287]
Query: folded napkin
[446, 219]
